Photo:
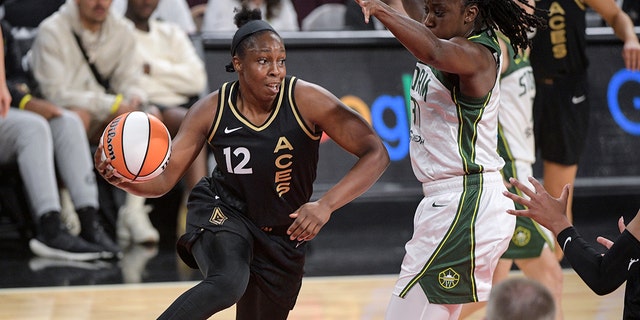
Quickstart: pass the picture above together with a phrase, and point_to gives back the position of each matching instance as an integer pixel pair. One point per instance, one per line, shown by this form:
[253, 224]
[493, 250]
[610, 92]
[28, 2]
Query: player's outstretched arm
[455, 55]
[603, 273]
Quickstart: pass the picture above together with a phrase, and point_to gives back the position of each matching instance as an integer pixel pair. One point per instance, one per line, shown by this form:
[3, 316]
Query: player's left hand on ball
[309, 219]
[104, 167]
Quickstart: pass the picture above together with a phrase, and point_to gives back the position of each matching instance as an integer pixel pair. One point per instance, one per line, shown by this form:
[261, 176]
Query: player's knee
[226, 290]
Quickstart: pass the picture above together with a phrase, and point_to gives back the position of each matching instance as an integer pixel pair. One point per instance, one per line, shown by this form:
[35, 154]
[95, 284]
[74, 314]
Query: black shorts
[561, 118]
[277, 263]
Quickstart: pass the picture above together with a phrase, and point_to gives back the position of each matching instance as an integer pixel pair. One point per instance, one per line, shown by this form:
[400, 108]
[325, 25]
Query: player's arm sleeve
[602, 273]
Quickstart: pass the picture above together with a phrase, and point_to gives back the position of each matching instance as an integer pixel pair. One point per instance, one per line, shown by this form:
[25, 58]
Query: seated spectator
[41, 137]
[84, 59]
[174, 75]
[279, 13]
[176, 11]
[520, 298]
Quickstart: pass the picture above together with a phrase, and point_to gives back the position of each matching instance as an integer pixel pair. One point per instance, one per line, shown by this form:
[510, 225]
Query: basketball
[138, 145]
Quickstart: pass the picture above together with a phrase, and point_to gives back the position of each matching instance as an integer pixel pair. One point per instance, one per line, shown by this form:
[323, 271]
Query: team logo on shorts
[217, 217]
[448, 278]
[521, 236]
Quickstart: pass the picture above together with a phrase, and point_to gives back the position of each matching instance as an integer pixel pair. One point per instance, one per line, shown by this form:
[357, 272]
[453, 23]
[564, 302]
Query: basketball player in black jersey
[248, 223]
[603, 273]
[561, 106]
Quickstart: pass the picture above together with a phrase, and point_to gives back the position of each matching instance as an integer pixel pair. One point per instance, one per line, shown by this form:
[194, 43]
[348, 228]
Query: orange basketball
[138, 145]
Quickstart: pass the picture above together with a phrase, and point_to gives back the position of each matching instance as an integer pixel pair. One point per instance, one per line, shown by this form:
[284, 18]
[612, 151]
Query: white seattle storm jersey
[516, 109]
[452, 135]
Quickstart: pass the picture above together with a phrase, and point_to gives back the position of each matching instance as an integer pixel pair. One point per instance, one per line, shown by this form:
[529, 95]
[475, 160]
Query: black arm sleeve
[602, 273]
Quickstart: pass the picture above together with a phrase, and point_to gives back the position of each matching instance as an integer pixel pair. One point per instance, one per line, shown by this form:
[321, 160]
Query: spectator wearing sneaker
[84, 59]
[174, 75]
[43, 140]
[133, 225]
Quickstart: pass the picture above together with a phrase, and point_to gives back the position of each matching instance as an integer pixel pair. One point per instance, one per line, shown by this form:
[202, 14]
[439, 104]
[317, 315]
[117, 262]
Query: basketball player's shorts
[461, 229]
[561, 118]
[529, 238]
[277, 262]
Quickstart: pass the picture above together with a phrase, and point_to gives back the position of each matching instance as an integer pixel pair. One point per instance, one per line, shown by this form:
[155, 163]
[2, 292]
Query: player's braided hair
[511, 19]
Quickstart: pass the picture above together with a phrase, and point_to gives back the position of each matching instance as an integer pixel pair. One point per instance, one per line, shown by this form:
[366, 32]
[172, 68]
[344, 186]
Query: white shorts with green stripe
[461, 229]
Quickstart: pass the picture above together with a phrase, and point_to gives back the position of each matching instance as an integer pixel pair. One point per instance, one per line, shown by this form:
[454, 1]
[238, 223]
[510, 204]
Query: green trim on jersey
[469, 115]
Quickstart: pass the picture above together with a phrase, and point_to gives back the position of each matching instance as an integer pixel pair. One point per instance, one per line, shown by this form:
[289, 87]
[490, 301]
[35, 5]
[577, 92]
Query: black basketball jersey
[271, 166]
[560, 48]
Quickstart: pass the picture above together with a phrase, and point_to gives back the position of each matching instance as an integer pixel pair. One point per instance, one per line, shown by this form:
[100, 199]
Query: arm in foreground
[603, 273]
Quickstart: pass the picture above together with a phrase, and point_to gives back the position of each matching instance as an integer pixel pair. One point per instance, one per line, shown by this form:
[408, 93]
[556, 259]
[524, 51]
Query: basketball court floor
[321, 298]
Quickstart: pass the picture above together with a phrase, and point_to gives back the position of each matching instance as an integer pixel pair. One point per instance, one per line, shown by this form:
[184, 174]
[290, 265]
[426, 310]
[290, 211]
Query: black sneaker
[92, 231]
[97, 235]
[55, 241]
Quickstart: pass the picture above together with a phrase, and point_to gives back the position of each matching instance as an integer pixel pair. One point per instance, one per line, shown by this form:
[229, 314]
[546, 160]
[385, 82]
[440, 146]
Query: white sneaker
[134, 226]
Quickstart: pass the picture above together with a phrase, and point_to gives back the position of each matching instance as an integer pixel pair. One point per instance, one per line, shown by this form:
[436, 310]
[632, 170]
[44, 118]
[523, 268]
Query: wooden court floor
[321, 298]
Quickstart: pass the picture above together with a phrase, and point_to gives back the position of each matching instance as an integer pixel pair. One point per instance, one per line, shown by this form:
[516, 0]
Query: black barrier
[370, 71]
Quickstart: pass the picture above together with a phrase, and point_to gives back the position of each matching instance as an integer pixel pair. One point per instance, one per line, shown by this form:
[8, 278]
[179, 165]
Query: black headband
[244, 32]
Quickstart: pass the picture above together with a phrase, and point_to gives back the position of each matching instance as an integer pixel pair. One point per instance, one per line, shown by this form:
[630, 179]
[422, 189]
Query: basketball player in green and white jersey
[459, 232]
[531, 247]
